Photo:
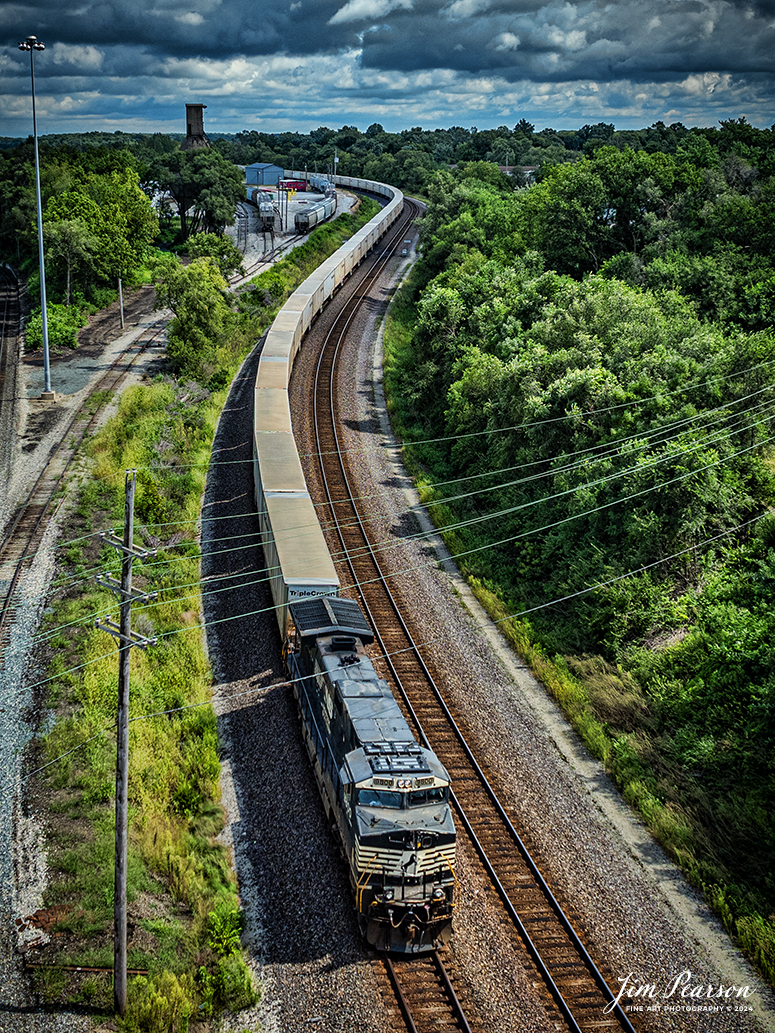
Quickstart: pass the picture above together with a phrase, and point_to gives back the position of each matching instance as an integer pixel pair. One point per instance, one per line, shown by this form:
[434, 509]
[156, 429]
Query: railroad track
[426, 997]
[264, 262]
[28, 523]
[575, 992]
[10, 314]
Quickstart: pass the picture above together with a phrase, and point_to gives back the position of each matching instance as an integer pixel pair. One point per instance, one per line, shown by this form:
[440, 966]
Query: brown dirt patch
[106, 325]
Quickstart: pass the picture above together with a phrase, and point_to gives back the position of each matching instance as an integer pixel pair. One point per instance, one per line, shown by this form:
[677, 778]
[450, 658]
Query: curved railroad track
[576, 993]
[28, 523]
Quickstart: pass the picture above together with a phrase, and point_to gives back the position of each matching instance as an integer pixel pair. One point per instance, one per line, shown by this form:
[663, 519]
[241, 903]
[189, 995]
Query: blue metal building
[260, 173]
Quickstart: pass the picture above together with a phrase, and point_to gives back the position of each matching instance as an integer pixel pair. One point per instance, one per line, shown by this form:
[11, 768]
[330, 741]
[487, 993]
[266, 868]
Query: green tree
[220, 248]
[196, 293]
[70, 243]
[202, 180]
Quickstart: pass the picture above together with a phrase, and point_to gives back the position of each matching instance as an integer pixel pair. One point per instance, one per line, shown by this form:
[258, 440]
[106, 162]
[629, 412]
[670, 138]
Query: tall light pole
[32, 44]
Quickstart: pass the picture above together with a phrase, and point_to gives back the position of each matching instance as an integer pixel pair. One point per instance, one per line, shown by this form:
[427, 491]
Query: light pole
[32, 44]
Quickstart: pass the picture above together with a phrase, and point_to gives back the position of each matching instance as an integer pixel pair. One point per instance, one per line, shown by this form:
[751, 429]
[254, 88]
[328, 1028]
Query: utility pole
[126, 639]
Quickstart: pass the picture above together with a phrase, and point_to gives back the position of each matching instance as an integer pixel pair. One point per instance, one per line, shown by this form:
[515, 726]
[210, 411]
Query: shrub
[161, 1004]
[63, 326]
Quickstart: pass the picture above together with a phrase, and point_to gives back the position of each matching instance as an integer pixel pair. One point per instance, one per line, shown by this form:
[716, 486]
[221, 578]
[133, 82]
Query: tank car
[386, 796]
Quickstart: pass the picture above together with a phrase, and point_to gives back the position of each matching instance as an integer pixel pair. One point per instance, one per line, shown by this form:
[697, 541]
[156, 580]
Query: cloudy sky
[297, 64]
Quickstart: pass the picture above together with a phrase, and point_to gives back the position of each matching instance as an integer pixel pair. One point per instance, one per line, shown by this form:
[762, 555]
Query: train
[405, 887]
[315, 214]
[386, 797]
[262, 200]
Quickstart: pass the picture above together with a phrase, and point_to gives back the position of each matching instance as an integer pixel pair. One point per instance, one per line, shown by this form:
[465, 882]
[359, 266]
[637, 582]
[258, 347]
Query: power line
[392, 543]
[425, 643]
[613, 447]
[633, 403]
[420, 536]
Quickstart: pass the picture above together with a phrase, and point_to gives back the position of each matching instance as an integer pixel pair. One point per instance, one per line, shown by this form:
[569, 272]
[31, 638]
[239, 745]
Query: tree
[227, 257]
[196, 293]
[69, 242]
[117, 215]
[565, 217]
[205, 186]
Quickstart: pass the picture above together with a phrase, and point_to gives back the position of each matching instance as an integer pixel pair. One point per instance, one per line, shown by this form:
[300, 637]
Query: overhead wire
[392, 543]
[459, 554]
[549, 471]
[382, 655]
[614, 442]
[635, 402]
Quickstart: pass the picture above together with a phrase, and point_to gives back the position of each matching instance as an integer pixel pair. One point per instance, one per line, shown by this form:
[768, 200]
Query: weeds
[174, 769]
[192, 950]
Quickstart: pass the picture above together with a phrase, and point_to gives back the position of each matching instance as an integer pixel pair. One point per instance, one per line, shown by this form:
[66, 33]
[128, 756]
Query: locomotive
[386, 797]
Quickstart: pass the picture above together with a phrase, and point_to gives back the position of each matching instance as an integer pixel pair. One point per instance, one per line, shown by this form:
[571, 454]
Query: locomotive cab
[387, 796]
[396, 803]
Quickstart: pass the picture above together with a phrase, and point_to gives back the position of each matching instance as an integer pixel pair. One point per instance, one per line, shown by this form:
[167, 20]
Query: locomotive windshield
[387, 798]
[436, 794]
[378, 798]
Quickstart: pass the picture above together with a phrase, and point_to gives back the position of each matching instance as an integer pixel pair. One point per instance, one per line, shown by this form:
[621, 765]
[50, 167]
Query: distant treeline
[410, 157]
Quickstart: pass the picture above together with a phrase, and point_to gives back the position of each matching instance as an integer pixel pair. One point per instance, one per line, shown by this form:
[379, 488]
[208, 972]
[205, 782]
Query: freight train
[387, 796]
[315, 214]
[262, 200]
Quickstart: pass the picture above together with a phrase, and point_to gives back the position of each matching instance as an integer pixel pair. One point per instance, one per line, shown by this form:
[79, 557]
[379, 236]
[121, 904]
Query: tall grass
[191, 948]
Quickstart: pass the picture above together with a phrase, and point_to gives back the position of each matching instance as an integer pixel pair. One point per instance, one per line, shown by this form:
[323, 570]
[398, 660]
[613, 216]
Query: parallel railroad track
[28, 524]
[576, 994]
[10, 312]
[425, 994]
[260, 264]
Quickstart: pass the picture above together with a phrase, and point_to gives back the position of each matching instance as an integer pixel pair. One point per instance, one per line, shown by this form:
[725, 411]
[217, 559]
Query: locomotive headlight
[438, 893]
[389, 894]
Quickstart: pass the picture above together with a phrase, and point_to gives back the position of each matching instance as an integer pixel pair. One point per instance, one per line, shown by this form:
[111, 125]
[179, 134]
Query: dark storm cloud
[302, 62]
[184, 27]
[516, 39]
[560, 41]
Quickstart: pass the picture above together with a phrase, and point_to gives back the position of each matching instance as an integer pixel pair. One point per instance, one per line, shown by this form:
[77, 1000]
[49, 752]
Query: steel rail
[459, 1022]
[503, 894]
[23, 510]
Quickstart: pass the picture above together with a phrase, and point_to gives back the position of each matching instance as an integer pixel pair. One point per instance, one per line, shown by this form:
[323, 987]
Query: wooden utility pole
[126, 639]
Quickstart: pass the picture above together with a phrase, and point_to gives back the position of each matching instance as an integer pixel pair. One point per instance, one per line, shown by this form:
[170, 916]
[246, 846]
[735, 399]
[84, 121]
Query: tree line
[106, 210]
[584, 375]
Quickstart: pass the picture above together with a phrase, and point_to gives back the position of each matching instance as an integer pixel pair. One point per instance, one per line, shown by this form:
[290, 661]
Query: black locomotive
[386, 796]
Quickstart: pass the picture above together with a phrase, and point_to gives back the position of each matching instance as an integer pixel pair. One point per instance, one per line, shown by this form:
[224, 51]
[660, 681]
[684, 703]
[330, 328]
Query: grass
[191, 948]
[175, 816]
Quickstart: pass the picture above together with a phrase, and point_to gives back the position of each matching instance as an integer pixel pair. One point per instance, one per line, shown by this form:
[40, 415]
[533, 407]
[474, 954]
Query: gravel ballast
[638, 911]
[314, 970]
